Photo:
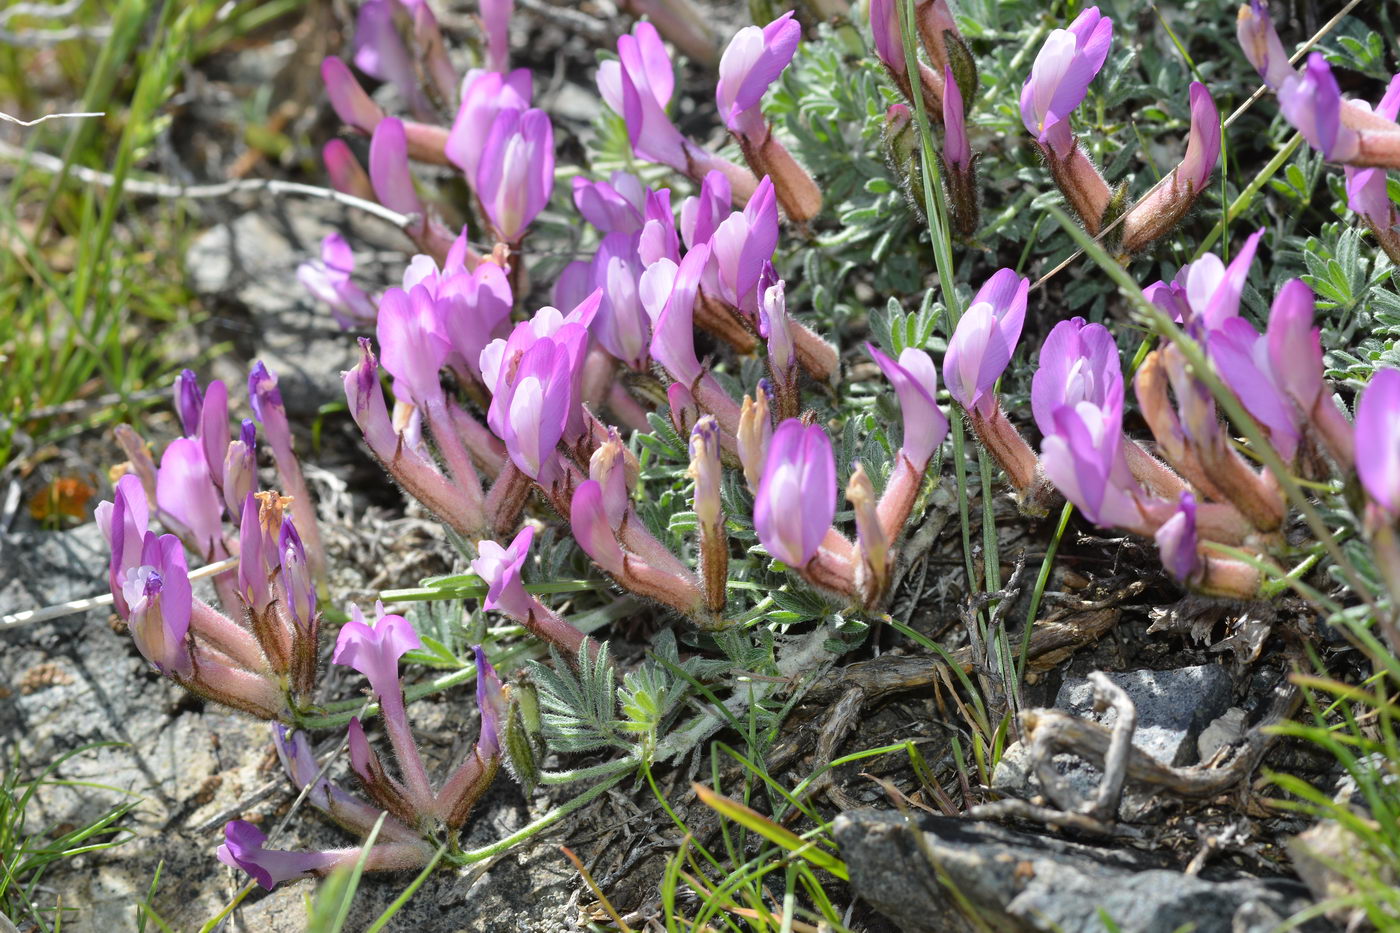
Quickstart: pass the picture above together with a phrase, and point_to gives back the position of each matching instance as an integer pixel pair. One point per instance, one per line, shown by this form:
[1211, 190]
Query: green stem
[471, 856]
[1247, 195]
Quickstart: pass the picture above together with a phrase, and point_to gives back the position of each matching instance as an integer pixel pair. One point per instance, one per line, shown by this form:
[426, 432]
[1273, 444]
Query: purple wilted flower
[485, 95]
[412, 343]
[702, 214]
[705, 470]
[796, 498]
[517, 171]
[495, 16]
[374, 649]
[213, 434]
[957, 152]
[673, 331]
[159, 603]
[1366, 187]
[622, 326]
[1207, 292]
[610, 467]
[185, 491]
[388, 168]
[613, 206]
[257, 562]
[753, 437]
[500, 568]
[1312, 102]
[638, 86]
[189, 401]
[1176, 540]
[1078, 363]
[774, 326]
[380, 52]
[588, 520]
[245, 847]
[240, 467]
[915, 381]
[349, 100]
[982, 344]
[739, 248]
[752, 61]
[1261, 44]
[294, 579]
[1378, 443]
[1059, 79]
[328, 279]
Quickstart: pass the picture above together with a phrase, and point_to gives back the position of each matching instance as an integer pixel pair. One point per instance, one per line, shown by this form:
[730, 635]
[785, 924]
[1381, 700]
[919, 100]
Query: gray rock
[1172, 707]
[1226, 729]
[992, 877]
[246, 271]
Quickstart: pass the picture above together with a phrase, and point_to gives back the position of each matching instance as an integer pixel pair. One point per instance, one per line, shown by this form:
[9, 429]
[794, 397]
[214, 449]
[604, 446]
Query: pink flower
[1378, 442]
[1312, 102]
[328, 279]
[796, 498]
[753, 60]
[516, 174]
[638, 86]
[915, 381]
[500, 568]
[986, 335]
[1059, 79]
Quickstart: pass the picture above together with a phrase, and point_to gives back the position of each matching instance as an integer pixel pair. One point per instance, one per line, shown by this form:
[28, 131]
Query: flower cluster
[260, 654]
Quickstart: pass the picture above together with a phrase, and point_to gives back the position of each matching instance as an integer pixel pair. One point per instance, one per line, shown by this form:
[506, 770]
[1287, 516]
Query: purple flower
[984, 340]
[500, 568]
[374, 649]
[614, 206]
[213, 434]
[266, 401]
[328, 279]
[516, 175]
[1078, 363]
[957, 152]
[346, 174]
[622, 326]
[245, 847]
[380, 52]
[796, 498]
[472, 309]
[588, 520]
[702, 214]
[1203, 143]
[1084, 459]
[740, 247]
[659, 239]
[189, 401]
[1378, 442]
[485, 95]
[294, 751]
[185, 491]
[673, 333]
[752, 61]
[1312, 102]
[294, 578]
[638, 86]
[915, 381]
[536, 408]
[388, 168]
[158, 599]
[1261, 44]
[491, 702]
[609, 466]
[1176, 540]
[495, 16]
[1207, 292]
[123, 524]
[412, 343]
[774, 325]
[889, 44]
[1059, 79]
[500, 361]
[1278, 379]
[1366, 187]
[349, 100]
